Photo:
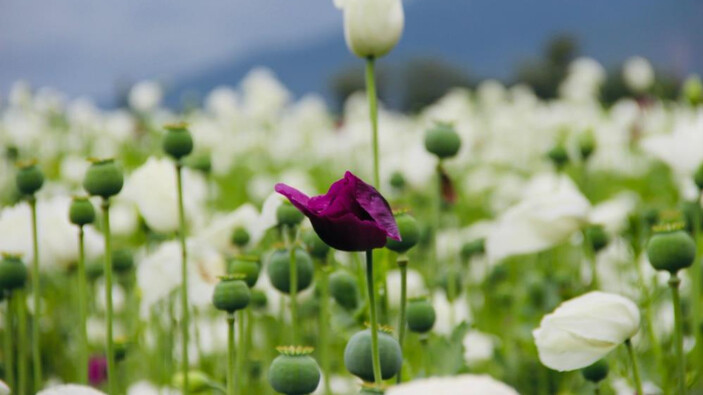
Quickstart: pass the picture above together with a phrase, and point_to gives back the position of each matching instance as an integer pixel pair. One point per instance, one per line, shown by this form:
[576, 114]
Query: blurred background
[100, 49]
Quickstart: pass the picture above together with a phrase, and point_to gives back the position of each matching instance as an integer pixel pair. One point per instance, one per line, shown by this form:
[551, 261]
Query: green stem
[373, 113]
[403, 265]
[240, 355]
[371, 285]
[36, 345]
[696, 289]
[230, 355]
[108, 297]
[674, 282]
[635, 368]
[184, 278]
[293, 283]
[9, 358]
[20, 302]
[82, 311]
[324, 322]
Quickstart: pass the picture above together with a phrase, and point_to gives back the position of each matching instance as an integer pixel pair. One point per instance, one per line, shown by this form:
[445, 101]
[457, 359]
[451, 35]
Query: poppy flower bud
[122, 260]
[558, 156]
[597, 238]
[231, 294]
[279, 269]
[587, 145]
[317, 248]
[344, 289]
[81, 212]
[258, 298]
[358, 357]
[246, 266]
[197, 381]
[288, 215]
[240, 237]
[671, 249]
[409, 234]
[420, 315]
[597, 372]
[177, 142]
[472, 248]
[442, 140]
[13, 272]
[397, 180]
[29, 178]
[294, 372]
[103, 178]
[372, 27]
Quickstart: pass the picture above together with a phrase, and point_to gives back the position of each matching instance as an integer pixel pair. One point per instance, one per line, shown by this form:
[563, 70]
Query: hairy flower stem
[108, 297]
[674, 282]
[290, 245]
[82, 311]
[373, 113]
[36, 344]
[20, 301]
[9, 345]
[324, 322]
[403, 265]
[185, 318]
[635, 368]
[371, 285]
[231, 361]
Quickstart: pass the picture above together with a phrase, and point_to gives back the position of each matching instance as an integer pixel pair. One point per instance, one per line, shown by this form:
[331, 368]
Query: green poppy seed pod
[442, 140]
[231, 295]
[294, 372]
[248, 267]
[671, 250]
[94, 269]
[397, 180]
[258, 298]
[177, 142]
[29, 178]
[240, 237]
[409, 234]
[358, 357]
[13, 272]
[103, 178]
[122, 260]
[201, 163]
[420, 316]
[558, 156]
[317, 248]
[693, 90]
[698, 177]
[279, 269]
[344, 289]
[597, 238]
[597, 372]
[288, 215]
[474, 247]
[587, 145]
[81, 211]
[197, 381]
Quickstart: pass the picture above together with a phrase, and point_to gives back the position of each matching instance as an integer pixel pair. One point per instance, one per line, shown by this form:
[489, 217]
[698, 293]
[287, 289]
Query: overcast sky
[83, 46]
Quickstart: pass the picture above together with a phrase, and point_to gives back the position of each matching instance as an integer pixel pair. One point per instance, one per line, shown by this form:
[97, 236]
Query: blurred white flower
[478, 347]
[4, 389]
[372, 27]
[146, 388]
[118, 296]
[584, 329]
[70, 389]
[264, 96]
[222, 102]
[449, 314]
[145, 96]
[152, 187]
[679, 149]
[583, 80]
[339, 385]
[638, 73]
[551, 211]
[218, 232]
[622, 386]
[612, 214]
[415, 284]
[465, 384]
[123, 217]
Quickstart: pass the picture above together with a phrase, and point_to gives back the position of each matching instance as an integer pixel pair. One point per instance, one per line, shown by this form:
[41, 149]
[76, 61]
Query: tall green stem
[108, 297]
[82, 311]
[20, 302]
[371, 285]
[230, 354]
[674, 282]
[324, 322]
[403, 265]
[373, 112]
[240, 355]
[9, 358]
[293, 282]
[184, 278]
[696, 289]
[36, 345]
[635, 368]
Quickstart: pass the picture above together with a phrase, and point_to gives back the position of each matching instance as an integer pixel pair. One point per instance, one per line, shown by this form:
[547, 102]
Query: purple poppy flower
[97, 370]
[352, 216]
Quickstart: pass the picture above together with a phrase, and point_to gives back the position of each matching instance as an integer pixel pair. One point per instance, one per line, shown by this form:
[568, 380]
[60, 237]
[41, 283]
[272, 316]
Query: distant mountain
[490, 39]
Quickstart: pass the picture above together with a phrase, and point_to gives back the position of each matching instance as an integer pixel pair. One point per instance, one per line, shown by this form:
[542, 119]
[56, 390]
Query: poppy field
[491, 243]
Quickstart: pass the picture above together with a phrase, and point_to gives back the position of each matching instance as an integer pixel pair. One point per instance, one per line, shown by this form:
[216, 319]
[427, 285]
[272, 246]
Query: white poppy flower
[146, 388]
[551, 211]
[449, 314]
[584, 329]
[638, 73]
[372, 27]
[145, 96]
[4, 389]
[218, 233]
[612, 214]
[70, 389]
[465, 384]
[478, 347]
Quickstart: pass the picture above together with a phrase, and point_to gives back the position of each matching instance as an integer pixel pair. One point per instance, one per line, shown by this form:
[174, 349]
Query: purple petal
[349, 233]
[297, 198]
[376, 206]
